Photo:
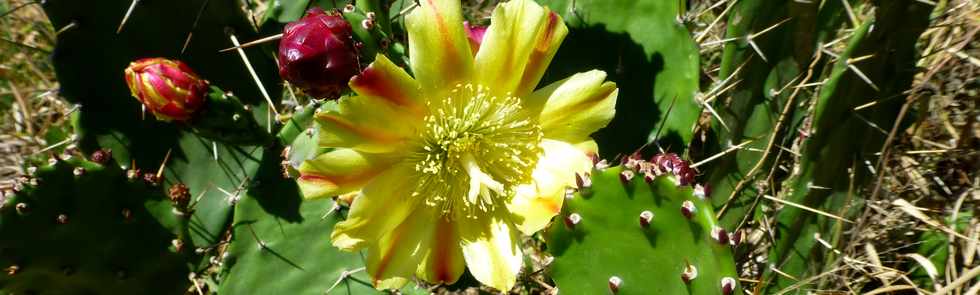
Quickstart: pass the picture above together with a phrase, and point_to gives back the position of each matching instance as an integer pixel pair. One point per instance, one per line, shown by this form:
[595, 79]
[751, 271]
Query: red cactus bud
[169, 89]
[317, 54]
[475, 34]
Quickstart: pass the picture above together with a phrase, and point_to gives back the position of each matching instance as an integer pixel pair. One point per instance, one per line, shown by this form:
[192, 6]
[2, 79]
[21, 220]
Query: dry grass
[928, 179]
[31, 115]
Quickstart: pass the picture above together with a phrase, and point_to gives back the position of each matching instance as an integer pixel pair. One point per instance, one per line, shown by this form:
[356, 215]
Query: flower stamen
[474, 149]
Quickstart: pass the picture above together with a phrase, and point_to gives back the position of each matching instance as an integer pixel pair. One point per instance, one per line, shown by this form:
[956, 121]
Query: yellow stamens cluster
[474, 149]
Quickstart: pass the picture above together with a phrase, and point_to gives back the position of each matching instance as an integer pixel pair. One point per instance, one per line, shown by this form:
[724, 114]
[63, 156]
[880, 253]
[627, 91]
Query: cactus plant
[82, 227]
[232, 215]
[275, 233]
[831, 151]
[110, 119]
[633, 229]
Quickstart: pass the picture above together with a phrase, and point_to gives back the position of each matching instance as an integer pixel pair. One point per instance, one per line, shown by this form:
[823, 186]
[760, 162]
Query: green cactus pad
[289, 257]
[281, 244]
[301, 134]
[89, 61]
[78, 227]
[226, 119]
[604, 246]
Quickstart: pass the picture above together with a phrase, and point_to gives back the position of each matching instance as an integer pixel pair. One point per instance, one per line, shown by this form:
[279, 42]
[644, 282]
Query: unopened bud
[474, 33]
[169, 89]
[316, 54]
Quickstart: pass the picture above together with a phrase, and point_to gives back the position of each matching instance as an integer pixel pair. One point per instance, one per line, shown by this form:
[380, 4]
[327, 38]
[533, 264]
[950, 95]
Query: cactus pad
[281, 244]
[636, 231]
[78, 227]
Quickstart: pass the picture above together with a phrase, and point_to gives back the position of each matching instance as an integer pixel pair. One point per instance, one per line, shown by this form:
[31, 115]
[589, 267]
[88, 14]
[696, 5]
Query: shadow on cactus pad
[93, 49]
[78, 227]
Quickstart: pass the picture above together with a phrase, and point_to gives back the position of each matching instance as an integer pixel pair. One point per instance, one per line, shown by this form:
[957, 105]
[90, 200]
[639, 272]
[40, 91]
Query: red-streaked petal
[384, 203]
[339, 171]
[438, 48]
[393, 258]
[385, 80]
[444, 262]
[518, 46]
[367, 123]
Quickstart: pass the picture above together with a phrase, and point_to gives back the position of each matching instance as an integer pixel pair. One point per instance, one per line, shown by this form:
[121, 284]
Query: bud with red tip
[317, 54]
[169, 89]
[475, 35]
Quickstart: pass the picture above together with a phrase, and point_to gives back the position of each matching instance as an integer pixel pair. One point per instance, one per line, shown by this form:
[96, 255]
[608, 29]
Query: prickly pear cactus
[631, 229]
[80, 227]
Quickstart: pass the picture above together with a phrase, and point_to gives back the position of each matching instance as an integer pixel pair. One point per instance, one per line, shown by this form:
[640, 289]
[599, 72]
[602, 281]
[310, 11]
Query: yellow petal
[383, 204]
[383, 79]
[444, 263]
[491, 250]
[438, 48]
[367, 123]
[574, 108]
[393, 259]
[339, 171]
[536, 203]
[589, 147]
[518, 46]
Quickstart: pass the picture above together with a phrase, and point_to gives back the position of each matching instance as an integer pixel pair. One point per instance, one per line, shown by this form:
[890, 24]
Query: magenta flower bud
[475, 34]
[317, 54]
[169, 89]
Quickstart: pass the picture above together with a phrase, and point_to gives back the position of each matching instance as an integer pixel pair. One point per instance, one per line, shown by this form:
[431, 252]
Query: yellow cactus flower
[450, 166]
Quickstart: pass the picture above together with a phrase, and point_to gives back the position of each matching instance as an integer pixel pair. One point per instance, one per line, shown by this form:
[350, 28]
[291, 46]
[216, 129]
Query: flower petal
[438, 47]
[589, 147]
[574, 108]
[368, 124]
[536, 203]
[444, 262]
[382, 205]
[339, 171]
[396, 256]
[518, 46]
[491, 250]
[384, 79]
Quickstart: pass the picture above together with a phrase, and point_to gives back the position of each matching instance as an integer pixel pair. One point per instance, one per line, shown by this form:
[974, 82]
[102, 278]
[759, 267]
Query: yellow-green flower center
[474, 149]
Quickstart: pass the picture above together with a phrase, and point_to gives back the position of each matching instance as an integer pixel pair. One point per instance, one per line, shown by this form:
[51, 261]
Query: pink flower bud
[169, 89]
[475, 34]
[317, 54]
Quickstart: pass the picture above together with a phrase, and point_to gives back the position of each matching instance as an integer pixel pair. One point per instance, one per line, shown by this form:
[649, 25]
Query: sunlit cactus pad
[78, 227]
[632, 231]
